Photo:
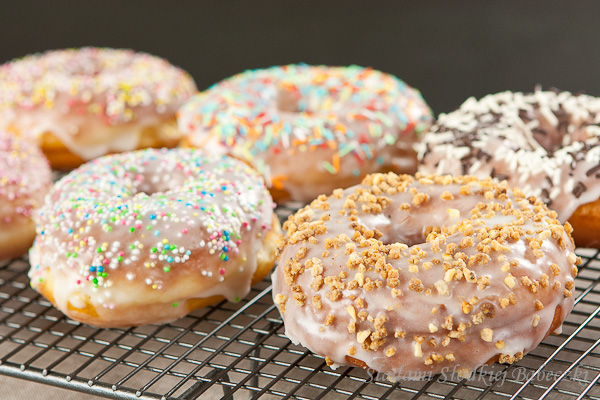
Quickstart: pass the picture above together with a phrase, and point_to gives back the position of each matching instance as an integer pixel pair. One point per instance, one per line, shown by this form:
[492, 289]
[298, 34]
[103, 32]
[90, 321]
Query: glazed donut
[79, 104]
[309, 129]
[414, 276]
[147, 236]
[546, 143]
[24, 180]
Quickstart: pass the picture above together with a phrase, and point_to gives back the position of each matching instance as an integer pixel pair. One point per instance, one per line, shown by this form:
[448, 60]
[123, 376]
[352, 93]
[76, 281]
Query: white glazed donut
[310, 129]
[79, 104]
[147, 236]
[410, 277]
[546, 142]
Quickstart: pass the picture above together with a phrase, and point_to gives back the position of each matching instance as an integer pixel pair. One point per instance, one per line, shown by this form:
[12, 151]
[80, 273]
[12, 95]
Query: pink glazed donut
[79, 104]
[24, 180]
[310, 129]
[148, 236]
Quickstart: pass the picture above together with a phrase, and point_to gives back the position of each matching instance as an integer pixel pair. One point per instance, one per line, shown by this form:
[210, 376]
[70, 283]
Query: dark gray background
[450, 50]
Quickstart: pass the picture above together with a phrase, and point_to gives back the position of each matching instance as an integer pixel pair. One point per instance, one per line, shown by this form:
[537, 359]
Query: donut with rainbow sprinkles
[310, 129]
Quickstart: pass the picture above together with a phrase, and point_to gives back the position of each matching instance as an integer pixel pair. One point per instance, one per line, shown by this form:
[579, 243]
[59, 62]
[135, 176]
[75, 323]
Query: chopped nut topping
[569, 285]
[390, 351]
[449, 275]
[316, 301]
[399, 334]
[478, 318]
[351, 350]
[536, 320]
[487, 334]
[352, 327]
[469, 275]
[510, 281]
[446, 195]
[453, 213]
[420, 198]
[416, 285]
[359, 278]
[500, 344]
[352, 312]
[433, 328]
[448, 323]
[572, 258]
[329, 320]
[280, 300]
[442, 288]
[418, 351]
[539, 305]
[488, 310]
[362, 336]
[466, 307]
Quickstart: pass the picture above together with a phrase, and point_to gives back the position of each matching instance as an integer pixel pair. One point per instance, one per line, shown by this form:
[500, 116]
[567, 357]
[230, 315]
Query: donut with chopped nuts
[546, 142]
[408, 276]
[79, 104]
[148, 236]
[310, 129]
[24, 180]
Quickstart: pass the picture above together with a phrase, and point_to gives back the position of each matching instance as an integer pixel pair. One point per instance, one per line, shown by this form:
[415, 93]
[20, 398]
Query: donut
[147, 236]
[411, 277]
[309, 129]
[546, 143]
[79, 104]
[24, 179]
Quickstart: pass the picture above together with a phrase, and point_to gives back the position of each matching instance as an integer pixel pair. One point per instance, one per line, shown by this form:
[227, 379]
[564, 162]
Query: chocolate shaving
[579, 189]
[593, 170]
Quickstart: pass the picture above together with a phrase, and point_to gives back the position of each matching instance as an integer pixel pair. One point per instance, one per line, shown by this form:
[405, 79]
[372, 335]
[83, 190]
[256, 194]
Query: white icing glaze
[409, 285]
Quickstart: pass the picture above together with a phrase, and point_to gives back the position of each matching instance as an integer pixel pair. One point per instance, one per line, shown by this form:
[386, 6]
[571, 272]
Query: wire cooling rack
[239, 351]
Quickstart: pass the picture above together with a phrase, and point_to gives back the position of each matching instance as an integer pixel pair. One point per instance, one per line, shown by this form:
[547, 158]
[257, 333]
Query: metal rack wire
[239, 351]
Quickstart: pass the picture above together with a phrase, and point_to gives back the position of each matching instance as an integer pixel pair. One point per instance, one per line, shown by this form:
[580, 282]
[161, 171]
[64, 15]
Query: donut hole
[157, 183]
[403, 230]
[287, 100]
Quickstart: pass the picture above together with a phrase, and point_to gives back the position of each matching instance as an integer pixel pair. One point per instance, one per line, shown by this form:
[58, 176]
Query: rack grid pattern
[239, 351]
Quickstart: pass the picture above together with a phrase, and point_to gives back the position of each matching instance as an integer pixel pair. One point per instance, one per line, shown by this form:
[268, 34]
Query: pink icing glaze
[151, 227]
[309, 129]
[24, 177]
[93, 100]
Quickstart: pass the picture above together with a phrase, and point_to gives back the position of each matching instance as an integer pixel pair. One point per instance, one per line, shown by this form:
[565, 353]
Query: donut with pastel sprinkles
[148, 236]
[79, 104]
